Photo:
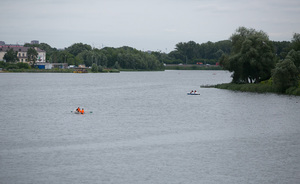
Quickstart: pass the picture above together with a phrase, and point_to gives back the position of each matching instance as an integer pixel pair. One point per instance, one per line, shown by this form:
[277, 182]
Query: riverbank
[256, 88]
[56, 70]
[193, 67]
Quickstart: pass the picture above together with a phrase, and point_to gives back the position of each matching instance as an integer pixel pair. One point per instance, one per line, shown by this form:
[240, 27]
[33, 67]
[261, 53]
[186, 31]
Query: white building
[22, 52]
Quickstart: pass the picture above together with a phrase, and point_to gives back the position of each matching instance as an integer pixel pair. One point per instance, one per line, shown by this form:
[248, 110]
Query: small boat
[189, 93]
[76, 112]
[85, 112]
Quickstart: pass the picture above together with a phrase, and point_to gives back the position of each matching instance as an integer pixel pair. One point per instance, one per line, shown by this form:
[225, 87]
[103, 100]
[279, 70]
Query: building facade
[22, 52]
[35, 42]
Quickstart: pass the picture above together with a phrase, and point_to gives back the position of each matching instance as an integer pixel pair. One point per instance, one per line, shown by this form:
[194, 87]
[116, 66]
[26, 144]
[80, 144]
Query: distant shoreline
[192, 67]
[110, 70]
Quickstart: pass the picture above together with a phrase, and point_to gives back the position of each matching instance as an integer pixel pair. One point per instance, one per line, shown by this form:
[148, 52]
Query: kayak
[76, 112]
[193, 93]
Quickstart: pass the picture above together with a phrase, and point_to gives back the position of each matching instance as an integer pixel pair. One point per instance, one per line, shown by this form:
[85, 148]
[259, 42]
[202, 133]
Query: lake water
[144, 128]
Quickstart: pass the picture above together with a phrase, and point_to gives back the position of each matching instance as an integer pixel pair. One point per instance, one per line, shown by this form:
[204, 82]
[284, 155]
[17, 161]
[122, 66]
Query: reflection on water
[144, 129]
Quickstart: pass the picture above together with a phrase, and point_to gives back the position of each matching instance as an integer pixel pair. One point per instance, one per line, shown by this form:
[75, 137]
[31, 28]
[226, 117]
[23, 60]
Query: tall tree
[252, 57]
[11, 56]
[32, 55]
[296, 41]
[285, 75]
[77, 48]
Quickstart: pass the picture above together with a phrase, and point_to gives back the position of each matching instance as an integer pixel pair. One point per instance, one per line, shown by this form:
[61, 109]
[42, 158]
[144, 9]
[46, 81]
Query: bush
[258, 88]
[94, 68]
[12, 66]
[285, 75]
[100, 68]
[293, 91]
[23, 65]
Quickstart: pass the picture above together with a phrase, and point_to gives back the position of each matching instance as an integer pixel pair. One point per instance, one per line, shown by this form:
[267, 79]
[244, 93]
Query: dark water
[144, 129]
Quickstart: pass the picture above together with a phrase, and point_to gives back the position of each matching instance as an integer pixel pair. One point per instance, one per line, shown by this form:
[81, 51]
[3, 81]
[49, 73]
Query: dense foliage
[192, 52]
[10, 56]
[8, 66]
[32, 55]
[252, 56]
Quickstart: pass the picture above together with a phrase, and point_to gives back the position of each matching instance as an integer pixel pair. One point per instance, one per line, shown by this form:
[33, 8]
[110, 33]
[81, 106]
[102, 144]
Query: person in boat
[82, 111]
[191, 92]
[78, 109]
[195, 91]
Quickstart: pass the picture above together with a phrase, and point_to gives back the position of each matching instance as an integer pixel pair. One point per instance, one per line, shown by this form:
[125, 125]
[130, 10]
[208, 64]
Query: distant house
[22, 52]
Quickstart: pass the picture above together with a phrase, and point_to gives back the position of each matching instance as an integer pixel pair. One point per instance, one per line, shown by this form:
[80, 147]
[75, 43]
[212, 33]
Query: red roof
[17, 48]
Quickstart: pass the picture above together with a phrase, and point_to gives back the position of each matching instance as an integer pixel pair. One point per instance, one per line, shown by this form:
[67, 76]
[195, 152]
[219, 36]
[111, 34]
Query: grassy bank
[257, 88]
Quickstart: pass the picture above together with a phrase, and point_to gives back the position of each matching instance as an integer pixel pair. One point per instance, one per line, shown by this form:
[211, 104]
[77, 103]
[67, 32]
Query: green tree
[281, 48]
[294, 56]
[11, 56]
[44, 46]
[186, 51]
[192, 52]
[23, 65]
[252, 57]
[285, 75]
[94, 68]
[32, 55]
[296, 41]
[77, 48]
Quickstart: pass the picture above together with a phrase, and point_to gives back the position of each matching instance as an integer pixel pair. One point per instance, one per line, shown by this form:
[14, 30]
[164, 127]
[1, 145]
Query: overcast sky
[143, 24]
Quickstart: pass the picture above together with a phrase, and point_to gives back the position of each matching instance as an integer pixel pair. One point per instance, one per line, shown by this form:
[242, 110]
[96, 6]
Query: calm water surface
[144, 129]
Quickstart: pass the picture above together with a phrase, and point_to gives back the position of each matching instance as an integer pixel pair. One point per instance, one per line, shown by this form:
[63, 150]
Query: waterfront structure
[43, 65]
[35, 42]
[22, 53]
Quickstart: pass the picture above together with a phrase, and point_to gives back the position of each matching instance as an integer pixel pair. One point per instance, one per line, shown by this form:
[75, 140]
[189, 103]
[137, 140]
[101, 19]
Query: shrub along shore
[256, 88]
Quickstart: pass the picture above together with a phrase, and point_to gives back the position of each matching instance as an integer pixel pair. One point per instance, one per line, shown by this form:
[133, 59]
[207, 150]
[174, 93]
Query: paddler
[78, 109]
[82, 111]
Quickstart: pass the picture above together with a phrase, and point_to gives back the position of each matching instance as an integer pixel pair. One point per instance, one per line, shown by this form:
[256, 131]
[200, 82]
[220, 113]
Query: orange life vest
[82, 111]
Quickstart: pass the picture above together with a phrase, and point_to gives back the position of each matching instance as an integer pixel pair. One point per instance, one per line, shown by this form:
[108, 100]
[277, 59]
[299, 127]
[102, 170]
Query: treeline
[108, 57]
[130, 58]
[192, 52]
[255, 59]
[210, 53]
[185, 52]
